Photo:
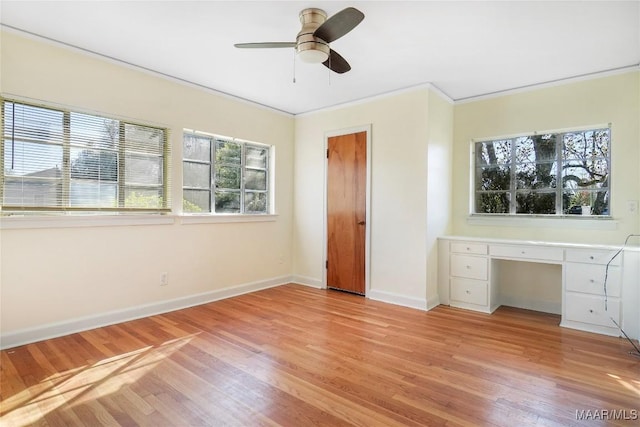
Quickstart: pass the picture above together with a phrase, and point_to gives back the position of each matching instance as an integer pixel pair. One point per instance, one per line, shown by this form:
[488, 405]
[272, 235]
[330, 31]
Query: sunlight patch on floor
[631, 385]
[84, 384]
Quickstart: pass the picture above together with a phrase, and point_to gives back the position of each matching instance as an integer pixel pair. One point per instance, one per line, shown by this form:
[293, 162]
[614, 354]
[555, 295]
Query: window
[544, 174]
[59, 160]
[224, 175]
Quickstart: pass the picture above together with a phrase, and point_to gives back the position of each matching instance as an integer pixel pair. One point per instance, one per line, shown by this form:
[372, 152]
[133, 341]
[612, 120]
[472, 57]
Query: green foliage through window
[223, 175]
[59, 160]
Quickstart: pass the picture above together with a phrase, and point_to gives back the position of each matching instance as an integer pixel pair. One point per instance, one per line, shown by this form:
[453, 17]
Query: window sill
[72, 221]
[540, 221]
[188, 219]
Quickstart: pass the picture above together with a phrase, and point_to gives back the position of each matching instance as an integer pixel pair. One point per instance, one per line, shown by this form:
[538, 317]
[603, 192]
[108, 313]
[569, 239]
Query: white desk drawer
[469, 248]
[543, 253]
[590, 309]
[592, 256]
[470, 267]
[469, 291]
[589, 278]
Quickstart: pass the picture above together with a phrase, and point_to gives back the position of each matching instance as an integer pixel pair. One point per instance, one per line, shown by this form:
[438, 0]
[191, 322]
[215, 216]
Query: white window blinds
[58, 160]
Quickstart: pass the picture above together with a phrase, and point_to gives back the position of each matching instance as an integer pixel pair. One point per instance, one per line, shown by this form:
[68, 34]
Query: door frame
[367, 232]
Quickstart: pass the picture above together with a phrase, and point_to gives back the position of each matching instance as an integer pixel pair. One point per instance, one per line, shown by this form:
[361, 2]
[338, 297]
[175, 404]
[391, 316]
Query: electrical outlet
[164, 278]
[632, 207]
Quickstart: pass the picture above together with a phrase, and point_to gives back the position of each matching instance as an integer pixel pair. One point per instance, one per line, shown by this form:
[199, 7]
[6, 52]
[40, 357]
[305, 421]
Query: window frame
[242, 166]
[559, 160]
[67, 144]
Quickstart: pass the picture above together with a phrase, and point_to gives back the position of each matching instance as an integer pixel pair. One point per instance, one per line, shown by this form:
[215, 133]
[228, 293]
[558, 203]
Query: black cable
[637, 352]
[606, 276]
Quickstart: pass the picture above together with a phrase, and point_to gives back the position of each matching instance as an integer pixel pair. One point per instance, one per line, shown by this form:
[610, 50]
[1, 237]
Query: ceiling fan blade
[265, 45]
[339, 24]
[336, 63]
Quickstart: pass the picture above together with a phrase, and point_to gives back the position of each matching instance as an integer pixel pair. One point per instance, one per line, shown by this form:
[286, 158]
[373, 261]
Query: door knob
[361, 223]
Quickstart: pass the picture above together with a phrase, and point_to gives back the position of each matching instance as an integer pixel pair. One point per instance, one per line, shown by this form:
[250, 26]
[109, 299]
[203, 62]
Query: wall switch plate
[164, 279]
[632, 207]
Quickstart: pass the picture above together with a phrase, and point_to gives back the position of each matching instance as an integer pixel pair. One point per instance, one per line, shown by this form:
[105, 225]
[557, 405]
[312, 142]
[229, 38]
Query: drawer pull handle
[591, 257]
[467, 292]
[468, 248]
[590, 310]
[523, 252]
[592, 281]
[468, 267]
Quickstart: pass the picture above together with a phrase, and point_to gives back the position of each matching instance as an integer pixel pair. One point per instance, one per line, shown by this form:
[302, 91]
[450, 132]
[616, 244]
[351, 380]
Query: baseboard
[397, 299]
[433, 302]
[307, 281]
[553, 307]
[597, 329]
[53, 330]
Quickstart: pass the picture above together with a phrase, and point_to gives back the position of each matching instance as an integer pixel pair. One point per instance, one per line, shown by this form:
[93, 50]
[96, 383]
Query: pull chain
[294, 65]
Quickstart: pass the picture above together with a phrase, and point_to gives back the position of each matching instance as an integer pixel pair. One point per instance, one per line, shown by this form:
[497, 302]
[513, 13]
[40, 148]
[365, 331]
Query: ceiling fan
[312, 42]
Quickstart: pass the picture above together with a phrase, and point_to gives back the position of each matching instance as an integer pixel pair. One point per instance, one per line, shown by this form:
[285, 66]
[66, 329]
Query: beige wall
[402, 238]
[439, 185]
[57, 274]
[612, 99]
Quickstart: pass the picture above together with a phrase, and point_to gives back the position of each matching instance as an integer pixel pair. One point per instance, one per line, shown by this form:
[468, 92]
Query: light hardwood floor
[297, 356]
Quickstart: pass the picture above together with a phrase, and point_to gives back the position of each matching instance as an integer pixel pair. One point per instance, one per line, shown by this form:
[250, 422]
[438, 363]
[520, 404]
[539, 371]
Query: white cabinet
[592, 256]
[591, 313]
[468, 291]
[470, 267]
[589, 278]
[591, 303]
[470, 277]
[528, 252]
[469, 248]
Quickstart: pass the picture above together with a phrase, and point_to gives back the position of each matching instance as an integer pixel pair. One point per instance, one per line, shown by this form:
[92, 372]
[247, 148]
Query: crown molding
[129, 65]
[550, 83]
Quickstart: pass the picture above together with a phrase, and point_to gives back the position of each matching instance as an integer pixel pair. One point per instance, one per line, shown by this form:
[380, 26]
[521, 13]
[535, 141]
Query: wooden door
[346, 212]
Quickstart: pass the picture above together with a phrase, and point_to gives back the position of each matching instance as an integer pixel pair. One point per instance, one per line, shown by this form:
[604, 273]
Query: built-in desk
[468, 279]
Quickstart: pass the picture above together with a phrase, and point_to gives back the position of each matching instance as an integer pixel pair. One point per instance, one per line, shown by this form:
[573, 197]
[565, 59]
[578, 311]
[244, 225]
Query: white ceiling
[464, 48]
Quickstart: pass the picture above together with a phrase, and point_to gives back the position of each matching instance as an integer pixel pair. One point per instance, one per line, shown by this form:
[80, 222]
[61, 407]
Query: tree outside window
[60, 160]
[225, 176]
[544, 174]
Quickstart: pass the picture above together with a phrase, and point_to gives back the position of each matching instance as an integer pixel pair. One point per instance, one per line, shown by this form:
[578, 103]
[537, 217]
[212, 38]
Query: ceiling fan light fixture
[313, 56]
[312, 42]
[310, 48]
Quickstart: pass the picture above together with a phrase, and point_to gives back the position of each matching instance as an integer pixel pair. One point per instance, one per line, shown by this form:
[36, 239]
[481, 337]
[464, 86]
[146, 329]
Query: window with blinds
[60, 160]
